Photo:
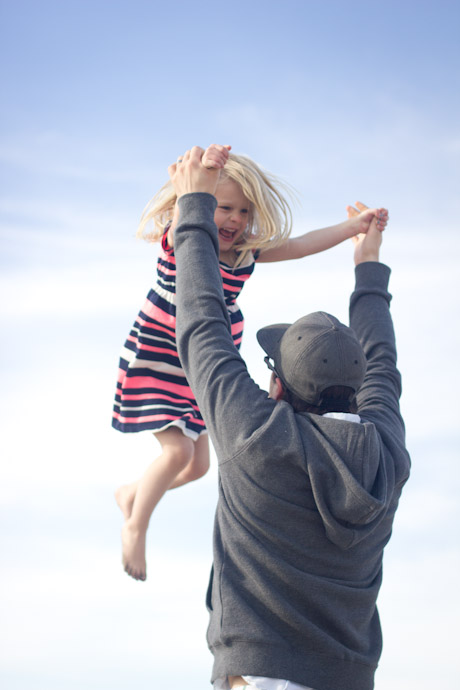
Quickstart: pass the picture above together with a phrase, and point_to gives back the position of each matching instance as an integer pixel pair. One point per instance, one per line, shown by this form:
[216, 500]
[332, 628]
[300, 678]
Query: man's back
[301, 523]
[306, 503]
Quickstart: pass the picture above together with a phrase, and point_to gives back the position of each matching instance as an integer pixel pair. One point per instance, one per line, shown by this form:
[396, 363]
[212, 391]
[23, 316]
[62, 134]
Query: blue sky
[345, 101]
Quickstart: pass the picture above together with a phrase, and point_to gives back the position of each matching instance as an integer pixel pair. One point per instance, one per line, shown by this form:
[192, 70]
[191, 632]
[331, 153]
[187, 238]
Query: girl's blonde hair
[270, 216]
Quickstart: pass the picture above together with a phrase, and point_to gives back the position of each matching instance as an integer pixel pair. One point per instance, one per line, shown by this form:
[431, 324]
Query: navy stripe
[172, 360]
[169, 265]
[160, 375]
[140, 340]
[153, 426]
[161, 303]
[185, 409]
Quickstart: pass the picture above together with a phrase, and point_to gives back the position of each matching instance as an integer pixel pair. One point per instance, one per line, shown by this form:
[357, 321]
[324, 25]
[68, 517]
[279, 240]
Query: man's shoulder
[278, 431]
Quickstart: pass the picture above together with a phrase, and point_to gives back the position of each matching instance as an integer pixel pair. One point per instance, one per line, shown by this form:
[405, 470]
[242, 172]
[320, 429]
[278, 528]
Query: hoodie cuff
[372, 275]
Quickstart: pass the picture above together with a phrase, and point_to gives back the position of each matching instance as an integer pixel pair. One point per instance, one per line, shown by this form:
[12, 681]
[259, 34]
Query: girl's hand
[189, 175]
[372, 223]
[362, 217]
[215, 156]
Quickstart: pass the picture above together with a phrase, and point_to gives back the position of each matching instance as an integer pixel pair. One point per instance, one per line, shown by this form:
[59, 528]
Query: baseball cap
[314, 353]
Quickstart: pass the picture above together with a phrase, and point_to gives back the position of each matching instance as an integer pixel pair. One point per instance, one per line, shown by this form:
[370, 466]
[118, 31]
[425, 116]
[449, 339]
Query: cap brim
[269, 338]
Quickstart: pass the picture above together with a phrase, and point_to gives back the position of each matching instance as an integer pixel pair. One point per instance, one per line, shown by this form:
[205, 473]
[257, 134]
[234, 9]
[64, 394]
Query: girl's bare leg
[197, 467]
[124, 496]
[139, 499]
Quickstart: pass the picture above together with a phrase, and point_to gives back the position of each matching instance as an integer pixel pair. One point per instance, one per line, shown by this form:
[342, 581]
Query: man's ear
[278, 389]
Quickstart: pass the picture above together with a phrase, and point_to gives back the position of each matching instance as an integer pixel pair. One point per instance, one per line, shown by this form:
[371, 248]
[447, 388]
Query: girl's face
[232, 213]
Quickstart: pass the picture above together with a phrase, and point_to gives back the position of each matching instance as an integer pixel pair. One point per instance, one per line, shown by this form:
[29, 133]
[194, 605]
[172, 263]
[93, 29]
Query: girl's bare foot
[124, 496]
[133, 552]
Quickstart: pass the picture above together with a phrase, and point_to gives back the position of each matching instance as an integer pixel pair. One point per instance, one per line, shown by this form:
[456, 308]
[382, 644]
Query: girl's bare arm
[325, 238]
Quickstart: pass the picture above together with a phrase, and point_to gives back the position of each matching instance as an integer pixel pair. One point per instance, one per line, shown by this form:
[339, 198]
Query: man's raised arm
[214, 369]
[378, 398]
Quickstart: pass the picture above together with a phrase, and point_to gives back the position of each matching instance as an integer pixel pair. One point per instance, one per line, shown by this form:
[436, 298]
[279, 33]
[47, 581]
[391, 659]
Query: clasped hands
[198, 170]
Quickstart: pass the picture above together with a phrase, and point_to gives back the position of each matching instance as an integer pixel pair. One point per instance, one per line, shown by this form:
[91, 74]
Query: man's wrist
[375, 258]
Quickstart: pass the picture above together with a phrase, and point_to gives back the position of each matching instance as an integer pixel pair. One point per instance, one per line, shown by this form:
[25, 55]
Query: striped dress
[152, 392]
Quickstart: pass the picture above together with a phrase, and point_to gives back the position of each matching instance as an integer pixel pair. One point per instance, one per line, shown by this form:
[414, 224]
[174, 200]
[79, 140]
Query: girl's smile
[231, 215]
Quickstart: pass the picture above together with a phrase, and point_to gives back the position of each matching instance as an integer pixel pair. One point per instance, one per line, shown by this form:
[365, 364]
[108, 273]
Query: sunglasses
[270, 366]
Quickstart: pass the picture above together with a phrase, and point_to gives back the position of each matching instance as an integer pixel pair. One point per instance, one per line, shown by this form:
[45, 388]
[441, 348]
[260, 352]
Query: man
[309, 477]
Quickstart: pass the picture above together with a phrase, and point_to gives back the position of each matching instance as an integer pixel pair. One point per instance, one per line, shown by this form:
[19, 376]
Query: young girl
[254, 222]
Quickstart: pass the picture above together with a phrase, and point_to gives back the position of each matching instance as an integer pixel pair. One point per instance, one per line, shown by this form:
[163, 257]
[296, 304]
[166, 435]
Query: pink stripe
[152, 382]
[237, 327]
[151, 348]
[143, 322]
[158, 314]
[162, 270]
[231, 275]
[231, 288]
[121, 375]
[158, 396]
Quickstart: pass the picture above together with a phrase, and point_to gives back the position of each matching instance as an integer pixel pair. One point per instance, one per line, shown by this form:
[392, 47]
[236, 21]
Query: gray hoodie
[306, 503]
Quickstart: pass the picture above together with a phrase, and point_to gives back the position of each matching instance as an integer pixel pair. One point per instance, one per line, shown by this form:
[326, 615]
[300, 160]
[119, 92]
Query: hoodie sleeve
[378, 397]
[214, 369]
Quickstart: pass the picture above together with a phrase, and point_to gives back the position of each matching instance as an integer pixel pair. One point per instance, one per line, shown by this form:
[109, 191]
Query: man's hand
[367, 247]
[190, 175]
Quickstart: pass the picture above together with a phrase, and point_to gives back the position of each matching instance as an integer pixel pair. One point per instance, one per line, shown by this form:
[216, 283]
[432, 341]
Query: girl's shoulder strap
[166, 247]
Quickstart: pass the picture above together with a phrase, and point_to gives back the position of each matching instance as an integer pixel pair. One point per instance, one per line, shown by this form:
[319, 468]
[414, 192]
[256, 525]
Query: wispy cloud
[60, 155]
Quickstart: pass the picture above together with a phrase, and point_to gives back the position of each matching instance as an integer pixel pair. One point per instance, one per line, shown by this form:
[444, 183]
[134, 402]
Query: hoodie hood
[352, 496]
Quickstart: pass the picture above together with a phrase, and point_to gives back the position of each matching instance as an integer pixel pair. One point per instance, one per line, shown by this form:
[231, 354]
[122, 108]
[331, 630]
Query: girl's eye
[244, 210]
[225, 208]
